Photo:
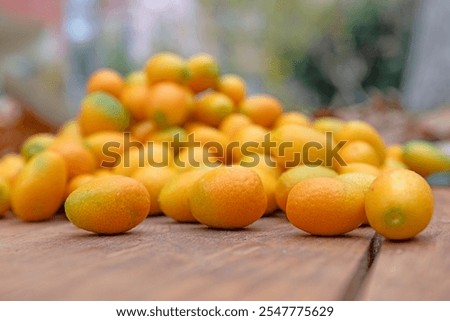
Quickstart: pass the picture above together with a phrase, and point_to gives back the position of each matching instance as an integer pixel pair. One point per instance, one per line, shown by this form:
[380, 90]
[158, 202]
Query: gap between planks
[366, 262]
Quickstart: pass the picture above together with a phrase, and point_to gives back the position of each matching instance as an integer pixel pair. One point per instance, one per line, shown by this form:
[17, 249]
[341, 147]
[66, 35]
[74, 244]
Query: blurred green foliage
[317, 52]
[340, 50]
[306, 52]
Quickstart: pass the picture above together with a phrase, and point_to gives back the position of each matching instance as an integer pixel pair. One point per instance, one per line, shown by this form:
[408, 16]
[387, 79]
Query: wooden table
[270, 260]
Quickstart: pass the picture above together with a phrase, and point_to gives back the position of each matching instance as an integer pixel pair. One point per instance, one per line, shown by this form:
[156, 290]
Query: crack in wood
[366, 262]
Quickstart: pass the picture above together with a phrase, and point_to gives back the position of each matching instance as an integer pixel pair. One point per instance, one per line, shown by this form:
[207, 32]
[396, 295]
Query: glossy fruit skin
[325, 206]
[228, 198]
[77, 181]
[108, 205]
[399, 204]
[293, 176]
[39, 189]
[361, 181]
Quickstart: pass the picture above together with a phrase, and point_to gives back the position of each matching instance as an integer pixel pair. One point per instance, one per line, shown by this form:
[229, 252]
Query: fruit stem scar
[394, 217]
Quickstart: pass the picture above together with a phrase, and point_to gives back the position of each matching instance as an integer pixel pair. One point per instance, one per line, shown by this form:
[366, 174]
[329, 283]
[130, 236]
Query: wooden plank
[164, 260]
[417, 269]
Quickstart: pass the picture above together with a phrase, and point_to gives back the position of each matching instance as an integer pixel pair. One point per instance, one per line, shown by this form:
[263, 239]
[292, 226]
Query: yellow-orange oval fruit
[39, 190]
[249, 141]
[213, 107]
[293, 176]
[399, 204]
[358, 151]
[328, 124]
[395, 151]
[296, 145]
[152, 154]
[100, 111]
[261, 162]
[360, 130]
[228, 198]
[425, 158]
[35, 144]
[137, 77]
[361, 181]
[166, 66]
[77, 181]
[134, 99]
[10, 166]
[269, 182]
[195, 157]
[106, 80]
[108, 205]
[293, 117]
[392, 163]
[154, 179]
[204, 72]
[359, 168]
[70, 130]
[262, 109]
[174, 196]
[211, 139]
[143, 129]
[231, 124]
[172, 137]
[169, 104]
[325, 206]
[5, 196]
[233, 86]
[107, 147]
[79, 160]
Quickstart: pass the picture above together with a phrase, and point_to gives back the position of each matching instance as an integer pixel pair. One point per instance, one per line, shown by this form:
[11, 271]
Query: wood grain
[270, 260]
[164, 260]
[417, 269]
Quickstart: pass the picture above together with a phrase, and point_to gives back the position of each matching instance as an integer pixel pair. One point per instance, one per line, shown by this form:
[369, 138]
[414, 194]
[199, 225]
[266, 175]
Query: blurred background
[386, 61]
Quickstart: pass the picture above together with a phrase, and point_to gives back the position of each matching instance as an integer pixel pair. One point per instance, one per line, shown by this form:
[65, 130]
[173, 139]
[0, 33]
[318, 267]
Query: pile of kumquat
[181, 139]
